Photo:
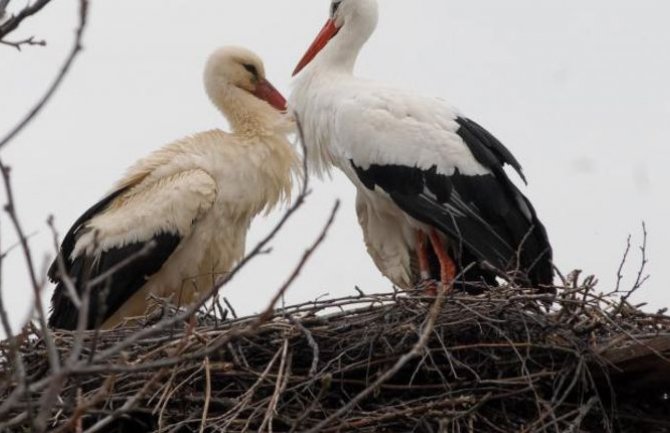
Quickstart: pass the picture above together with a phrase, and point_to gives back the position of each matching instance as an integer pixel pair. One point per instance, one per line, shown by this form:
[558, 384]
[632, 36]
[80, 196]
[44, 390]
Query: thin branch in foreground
[67, 280]
[31, 41]
[267, 314]
[3, 9]
[13, 23]
[6, 326]
[65, 68]
[641, 278]
[208, 395]
[10, 208]
[622, 263]
[19, 367]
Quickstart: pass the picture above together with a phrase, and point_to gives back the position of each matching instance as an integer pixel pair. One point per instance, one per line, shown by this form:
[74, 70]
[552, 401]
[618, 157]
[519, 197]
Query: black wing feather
[109, 295]
[528, 234]
[487, 149]
[488, 218]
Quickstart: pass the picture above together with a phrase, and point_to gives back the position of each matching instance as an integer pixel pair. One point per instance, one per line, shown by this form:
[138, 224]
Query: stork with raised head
[179, 217]
[432, 193]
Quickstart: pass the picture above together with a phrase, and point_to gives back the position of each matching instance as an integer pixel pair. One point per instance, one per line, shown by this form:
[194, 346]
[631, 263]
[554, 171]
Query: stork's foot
[428, 287]
[447, 265]
[422, 255]
[426, 284]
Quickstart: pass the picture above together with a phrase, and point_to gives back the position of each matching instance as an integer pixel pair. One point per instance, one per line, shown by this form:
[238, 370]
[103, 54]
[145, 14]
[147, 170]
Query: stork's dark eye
[252, 69]
[333, 7]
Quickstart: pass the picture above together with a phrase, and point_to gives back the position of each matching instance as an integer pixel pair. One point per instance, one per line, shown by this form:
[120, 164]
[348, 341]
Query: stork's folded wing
[125, 239]
[446, 171]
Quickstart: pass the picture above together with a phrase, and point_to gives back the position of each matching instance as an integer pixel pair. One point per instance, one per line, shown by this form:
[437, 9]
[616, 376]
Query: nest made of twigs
[496, 362]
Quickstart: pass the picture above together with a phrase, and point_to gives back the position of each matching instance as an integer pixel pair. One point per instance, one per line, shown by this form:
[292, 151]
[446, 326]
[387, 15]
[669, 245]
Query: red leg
[424, 263]
[447, 265]
[422, 253]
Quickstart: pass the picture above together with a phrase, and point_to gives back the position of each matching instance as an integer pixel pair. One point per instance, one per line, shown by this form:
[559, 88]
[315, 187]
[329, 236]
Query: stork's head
[230, 70]
[351, 22]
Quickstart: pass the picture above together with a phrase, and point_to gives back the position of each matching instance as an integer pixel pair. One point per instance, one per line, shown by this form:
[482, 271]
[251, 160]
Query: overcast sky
[577, 90]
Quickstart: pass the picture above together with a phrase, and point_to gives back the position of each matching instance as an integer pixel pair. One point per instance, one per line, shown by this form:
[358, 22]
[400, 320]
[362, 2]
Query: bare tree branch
[6, 326]
[28, 41]
[65, 68]
[13, 23]
[19, 365]
[622, 263]
[70, 288]
[641, 277]
[3, 9]
[10, 208]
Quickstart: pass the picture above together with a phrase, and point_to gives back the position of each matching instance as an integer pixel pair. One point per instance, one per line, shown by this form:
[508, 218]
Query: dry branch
[62, 73]
[31, 41]
[13, 22]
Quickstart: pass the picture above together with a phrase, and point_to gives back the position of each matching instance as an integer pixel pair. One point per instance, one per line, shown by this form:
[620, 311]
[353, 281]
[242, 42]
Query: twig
[130, 403]
[65, 68]
[622, 263]
[84, 405]
[10, 208]
[208, 395]
[62, 269]
[280, 385]
[230, 307]
[3, 9]
[19, 366]
[146, 249]
[641, 278]
[248, 394]
[31, 41]
[6, 326]
[312, 344]
[13, 23]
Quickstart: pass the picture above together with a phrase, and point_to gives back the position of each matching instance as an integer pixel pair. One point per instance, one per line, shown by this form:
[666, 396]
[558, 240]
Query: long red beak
[268, 93]
[325, 35]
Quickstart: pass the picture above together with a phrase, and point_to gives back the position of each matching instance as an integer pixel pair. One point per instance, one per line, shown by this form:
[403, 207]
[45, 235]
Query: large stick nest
[497, 362]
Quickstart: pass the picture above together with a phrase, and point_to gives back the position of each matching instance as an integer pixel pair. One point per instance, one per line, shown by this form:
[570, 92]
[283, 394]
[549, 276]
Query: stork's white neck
[319, 87]
[358, 22]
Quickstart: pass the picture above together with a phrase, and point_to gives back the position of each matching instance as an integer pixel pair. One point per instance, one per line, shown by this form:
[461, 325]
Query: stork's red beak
[268, 93]
[325, 35]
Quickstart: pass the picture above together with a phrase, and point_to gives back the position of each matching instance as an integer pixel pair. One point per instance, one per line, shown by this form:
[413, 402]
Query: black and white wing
[121, 241]
[446, 171]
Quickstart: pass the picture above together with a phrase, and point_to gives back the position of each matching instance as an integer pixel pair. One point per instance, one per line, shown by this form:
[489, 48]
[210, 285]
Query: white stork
[193, 200]
[431, 185]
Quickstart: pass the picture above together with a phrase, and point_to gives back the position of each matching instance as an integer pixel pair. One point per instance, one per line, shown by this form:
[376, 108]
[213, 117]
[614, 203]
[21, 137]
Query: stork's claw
[428, 287]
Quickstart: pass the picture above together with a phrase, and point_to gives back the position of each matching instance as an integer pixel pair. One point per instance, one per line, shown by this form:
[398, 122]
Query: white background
[577, 90]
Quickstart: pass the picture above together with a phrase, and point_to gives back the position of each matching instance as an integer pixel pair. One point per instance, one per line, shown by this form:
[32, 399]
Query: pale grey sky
[577, 90]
